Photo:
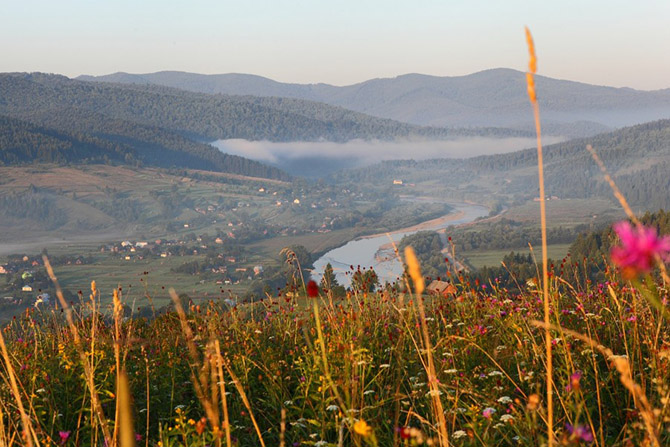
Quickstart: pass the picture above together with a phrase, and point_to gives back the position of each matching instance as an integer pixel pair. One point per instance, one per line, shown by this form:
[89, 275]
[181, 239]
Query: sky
[606, 42]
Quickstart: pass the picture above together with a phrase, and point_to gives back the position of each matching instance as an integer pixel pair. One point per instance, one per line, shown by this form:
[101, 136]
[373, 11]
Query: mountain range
[163, 126]
[490, 98]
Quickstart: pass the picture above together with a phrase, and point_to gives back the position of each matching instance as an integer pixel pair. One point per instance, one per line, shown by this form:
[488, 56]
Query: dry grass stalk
[125, 423]
[88, 369]
[530, 81]
[245, 400]
[200, 381]
[224, 399]
[118, 311]
[28, 431]
[625, 376]
[419, 286]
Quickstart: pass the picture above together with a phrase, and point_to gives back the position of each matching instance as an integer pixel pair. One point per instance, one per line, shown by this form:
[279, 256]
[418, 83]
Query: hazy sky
[608, 42]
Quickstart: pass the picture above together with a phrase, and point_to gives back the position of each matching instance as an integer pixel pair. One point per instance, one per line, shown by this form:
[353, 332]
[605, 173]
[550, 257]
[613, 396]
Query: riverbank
[438, 222]
[372, 251]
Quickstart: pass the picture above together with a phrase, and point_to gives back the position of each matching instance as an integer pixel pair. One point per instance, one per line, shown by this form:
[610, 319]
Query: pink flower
[488, 412]
[64, 436]
[639, 247]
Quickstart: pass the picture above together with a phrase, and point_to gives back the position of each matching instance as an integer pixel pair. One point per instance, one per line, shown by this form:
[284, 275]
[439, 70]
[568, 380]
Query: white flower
[368, 392]
[495, 373]
[458, 434]
[505, 400]
[506, 417]
[384, 365]
[288, 403]
[332, 408]
[433, 393]
[451, 371]
[320, 443]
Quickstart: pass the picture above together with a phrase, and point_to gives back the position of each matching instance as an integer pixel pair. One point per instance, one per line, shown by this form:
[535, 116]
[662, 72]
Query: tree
[329, 280]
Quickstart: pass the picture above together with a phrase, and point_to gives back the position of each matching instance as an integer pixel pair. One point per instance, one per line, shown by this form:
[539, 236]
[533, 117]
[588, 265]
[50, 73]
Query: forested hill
[638, 157]
[495, 97]
[207, 117]
[93, 138]
[22, 142]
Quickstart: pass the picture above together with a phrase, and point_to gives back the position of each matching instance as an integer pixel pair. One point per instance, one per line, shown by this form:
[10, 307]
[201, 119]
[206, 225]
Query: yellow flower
[362, 428]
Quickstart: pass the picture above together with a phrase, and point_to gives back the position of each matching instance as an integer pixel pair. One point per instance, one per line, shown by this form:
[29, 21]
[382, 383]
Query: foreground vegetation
[324, 371]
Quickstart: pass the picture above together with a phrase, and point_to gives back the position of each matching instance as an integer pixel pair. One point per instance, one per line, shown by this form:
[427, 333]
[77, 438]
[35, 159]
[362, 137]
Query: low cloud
[357, 153]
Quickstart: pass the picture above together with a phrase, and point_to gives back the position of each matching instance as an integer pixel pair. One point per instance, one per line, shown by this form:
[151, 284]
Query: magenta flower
[64, 436]
[638, 250]
[488, 412]
[580, 433]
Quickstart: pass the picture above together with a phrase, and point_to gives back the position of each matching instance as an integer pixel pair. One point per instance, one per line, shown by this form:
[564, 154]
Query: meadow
[558, 360]
[323, 370]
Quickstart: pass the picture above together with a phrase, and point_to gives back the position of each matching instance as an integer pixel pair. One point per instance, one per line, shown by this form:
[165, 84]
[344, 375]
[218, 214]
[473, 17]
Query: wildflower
[580, 432]
[459, 434]
[533, 402]
[488, 412]
[362, 428]
[505, 400]
[64, 436]
[201, 425]
[574, 381]
[506, 418]
[639, 248]
[312, 289]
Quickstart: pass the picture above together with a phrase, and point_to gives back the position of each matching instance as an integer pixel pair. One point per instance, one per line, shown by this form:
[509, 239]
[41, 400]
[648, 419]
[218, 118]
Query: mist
[316, 159]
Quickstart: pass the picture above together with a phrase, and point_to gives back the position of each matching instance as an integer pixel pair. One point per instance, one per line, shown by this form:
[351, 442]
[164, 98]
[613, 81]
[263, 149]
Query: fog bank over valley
[315, 159]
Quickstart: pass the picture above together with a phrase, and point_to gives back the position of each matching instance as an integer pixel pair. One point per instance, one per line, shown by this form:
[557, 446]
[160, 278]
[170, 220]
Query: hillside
[638, 157]
[203, 117]
[22, 142]
[492, 98]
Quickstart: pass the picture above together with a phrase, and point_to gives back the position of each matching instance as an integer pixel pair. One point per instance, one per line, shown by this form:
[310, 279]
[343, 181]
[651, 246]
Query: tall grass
[392, 368]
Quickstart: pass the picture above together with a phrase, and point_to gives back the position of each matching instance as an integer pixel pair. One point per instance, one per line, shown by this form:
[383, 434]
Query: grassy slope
[490, 367]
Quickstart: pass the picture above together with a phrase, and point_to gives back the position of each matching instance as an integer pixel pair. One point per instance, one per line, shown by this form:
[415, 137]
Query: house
[126, 243]
[3, 270]
[397, 182]
[441, 288]
[258, 269]
[141, 244]
[296, 201]
[218, 240]
[27, 289]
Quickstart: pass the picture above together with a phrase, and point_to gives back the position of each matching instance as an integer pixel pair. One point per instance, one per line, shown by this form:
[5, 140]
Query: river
[376, 251]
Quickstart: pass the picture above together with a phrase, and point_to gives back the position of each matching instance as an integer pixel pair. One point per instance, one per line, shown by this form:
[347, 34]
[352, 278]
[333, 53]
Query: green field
[492, 258]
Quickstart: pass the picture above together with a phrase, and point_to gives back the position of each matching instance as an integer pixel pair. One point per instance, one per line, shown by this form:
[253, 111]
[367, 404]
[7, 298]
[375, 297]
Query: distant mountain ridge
[490, 98]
